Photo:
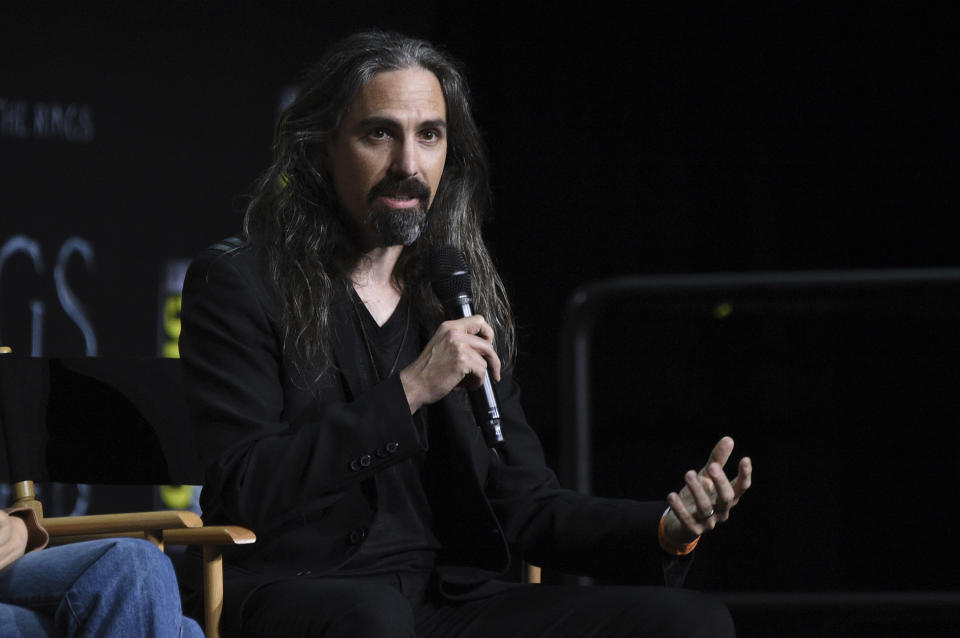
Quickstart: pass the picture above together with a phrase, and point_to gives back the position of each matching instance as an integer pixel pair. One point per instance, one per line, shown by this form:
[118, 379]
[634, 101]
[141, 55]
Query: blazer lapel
[348, 348]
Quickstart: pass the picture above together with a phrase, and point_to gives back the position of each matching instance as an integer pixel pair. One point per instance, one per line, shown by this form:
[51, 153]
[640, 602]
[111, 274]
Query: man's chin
[397, 226]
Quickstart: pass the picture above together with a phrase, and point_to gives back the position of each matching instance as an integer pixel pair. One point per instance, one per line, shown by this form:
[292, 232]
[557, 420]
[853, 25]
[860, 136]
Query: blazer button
[355, 465]
[392, 446]
[381, 453]
[365, 460]
[357, 535]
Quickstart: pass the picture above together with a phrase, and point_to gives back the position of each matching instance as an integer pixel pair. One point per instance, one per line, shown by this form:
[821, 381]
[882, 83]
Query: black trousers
[389, 607]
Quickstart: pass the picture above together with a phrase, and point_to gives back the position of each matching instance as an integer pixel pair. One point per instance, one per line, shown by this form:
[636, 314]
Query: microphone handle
[483, 400]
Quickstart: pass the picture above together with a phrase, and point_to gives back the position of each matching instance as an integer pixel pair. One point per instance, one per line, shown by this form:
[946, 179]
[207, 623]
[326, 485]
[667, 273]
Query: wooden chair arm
[120, 523]
[213, 535]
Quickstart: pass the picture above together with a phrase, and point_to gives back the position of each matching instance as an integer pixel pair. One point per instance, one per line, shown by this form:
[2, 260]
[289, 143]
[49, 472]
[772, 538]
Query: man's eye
[379, 133]
[430, 135]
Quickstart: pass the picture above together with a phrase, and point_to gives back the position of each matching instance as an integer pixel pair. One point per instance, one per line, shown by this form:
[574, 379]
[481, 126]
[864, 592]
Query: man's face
[387, 157]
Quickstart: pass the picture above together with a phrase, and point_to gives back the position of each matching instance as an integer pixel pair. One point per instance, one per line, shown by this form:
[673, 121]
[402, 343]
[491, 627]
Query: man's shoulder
[236, 249]
[230, 245]
[234, 253]
[228, 263]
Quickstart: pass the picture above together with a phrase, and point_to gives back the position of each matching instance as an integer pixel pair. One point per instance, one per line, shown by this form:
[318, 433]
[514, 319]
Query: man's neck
[375, 282]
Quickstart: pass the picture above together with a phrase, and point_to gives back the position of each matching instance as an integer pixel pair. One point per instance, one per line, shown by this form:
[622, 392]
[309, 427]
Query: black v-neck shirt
[401, 537]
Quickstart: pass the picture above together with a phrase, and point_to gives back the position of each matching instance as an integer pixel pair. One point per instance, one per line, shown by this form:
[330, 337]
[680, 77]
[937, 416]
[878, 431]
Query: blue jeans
[112, 587]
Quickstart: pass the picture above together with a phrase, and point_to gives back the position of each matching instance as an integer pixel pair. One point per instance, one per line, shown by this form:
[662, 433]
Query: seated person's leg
[548, 611]
[116, 587]
[332, 608]
[20, 622]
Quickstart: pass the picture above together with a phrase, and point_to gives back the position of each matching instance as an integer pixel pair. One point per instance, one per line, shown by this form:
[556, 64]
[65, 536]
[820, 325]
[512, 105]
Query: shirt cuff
[671, 546]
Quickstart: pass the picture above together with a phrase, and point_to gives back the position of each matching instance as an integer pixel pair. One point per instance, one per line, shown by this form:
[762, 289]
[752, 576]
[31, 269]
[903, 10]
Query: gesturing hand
[459, 352]
[708, 495]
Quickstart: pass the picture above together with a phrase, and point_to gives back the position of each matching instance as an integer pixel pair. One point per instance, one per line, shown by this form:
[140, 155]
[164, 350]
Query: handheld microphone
[450, 278]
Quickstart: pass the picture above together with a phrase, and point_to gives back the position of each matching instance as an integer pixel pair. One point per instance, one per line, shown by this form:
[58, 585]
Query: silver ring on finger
[704, 519]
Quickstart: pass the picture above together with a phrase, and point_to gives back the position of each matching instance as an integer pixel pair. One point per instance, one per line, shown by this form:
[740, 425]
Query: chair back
[115, 421]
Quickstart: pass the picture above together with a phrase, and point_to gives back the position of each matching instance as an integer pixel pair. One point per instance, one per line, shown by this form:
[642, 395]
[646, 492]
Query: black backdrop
[673, 140]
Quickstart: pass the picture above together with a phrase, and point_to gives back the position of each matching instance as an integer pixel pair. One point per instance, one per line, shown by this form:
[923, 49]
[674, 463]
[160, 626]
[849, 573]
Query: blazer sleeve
[614, 539]
[265, 465]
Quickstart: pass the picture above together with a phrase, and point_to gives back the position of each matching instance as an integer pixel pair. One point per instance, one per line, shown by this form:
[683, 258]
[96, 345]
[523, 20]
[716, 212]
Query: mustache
[391, 185]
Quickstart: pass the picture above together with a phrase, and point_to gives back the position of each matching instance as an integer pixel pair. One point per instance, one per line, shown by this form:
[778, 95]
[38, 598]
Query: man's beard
[393, 226]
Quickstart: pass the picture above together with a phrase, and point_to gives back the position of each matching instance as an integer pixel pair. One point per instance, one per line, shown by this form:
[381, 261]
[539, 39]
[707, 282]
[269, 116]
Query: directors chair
[108, 422]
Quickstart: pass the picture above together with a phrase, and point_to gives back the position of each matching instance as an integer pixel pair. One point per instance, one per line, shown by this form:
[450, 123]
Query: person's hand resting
[13, 538]
[708, 496]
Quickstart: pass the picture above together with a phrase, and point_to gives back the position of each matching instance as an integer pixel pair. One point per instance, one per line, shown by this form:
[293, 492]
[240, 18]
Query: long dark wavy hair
[295, 221]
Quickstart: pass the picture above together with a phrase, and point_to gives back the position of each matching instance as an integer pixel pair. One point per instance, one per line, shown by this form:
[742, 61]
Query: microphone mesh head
[449, 274]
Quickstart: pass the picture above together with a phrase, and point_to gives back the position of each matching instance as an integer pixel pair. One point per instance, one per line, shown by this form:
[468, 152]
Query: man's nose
[406, 159]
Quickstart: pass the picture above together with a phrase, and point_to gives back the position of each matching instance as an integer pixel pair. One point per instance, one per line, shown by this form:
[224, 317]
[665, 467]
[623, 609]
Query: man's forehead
[413, 92]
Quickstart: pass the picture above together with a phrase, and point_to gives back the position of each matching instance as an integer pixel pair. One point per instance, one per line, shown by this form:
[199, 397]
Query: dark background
[714, 139]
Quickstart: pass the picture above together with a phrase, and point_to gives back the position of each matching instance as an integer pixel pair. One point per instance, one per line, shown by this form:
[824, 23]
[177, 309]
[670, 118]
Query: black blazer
[292, 459]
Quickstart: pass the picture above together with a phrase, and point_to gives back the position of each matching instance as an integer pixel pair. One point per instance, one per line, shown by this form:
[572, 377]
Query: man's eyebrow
[377, 120]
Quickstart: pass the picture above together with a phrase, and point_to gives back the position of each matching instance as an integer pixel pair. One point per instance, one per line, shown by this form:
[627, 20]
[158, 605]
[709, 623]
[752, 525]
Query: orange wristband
[672, 547]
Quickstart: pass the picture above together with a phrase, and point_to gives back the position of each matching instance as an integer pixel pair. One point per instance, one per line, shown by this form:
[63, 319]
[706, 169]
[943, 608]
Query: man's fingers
[741, 483]
[478, 359]
[726, 496]
[474, 325]
[709, 495]
[701, 499]
[483, 328]
[721, 452]
[680, 510]
[473, 378]
[486, 351]
[479, 335]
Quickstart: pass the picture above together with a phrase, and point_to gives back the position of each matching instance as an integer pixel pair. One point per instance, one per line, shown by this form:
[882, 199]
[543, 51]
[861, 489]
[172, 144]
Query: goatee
[394, 226]
[397, 227]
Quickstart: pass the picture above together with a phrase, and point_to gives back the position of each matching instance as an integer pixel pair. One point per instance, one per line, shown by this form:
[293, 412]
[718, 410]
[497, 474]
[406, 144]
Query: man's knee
[691, 614]
[665, 612]
[714, 619]
[380, 612]
[329, 608]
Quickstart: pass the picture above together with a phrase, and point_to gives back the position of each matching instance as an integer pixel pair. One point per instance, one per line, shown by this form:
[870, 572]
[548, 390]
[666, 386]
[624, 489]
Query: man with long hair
[329, 394]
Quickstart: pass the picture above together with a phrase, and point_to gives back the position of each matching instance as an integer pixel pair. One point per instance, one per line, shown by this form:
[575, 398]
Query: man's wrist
[411, 390]
[671, 546]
